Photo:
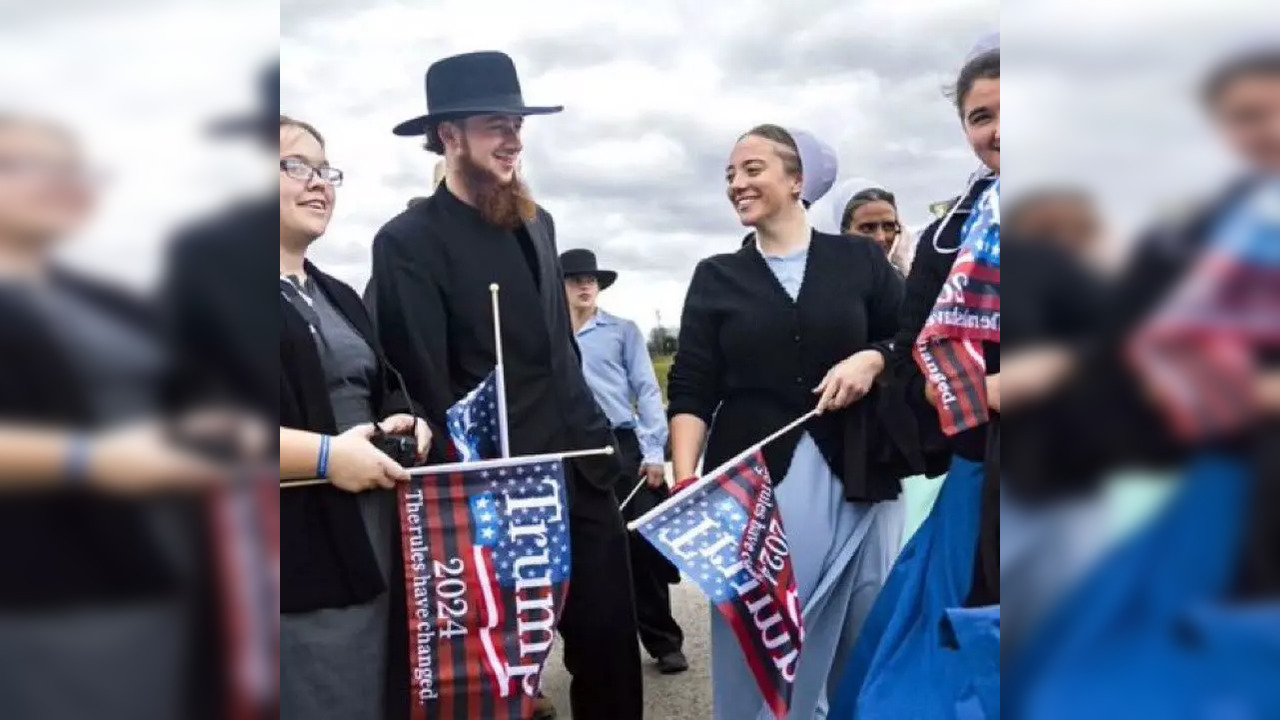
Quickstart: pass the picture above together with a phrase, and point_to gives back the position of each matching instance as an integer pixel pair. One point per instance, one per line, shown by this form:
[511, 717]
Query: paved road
[667, 697]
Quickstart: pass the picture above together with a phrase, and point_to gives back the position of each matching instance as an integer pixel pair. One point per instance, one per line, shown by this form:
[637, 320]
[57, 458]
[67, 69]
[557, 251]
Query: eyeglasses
[299, 169]
[890, 227]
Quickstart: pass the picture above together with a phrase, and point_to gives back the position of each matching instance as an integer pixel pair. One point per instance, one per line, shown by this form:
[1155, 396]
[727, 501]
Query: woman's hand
[675, 490]
[141, 458]
[993, 392]
[402, 424]
[355, 465]
[849, 380]
[1032, 373]
[1268, 386]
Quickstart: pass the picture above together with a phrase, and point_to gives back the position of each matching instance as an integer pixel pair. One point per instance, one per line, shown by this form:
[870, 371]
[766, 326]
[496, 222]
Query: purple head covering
[819, 162]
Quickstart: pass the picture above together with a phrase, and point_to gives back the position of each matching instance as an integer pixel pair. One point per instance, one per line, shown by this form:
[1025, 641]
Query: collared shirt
[616, 364]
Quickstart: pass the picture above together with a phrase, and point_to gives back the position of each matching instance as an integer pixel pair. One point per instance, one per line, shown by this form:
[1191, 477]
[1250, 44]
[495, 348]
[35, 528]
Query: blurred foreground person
[341, 571]
[1066, 218]
[1169, 624]
[98, 556]
[931, 641]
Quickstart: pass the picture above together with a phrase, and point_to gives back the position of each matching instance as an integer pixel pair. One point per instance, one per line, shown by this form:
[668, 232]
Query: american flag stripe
[755, 654]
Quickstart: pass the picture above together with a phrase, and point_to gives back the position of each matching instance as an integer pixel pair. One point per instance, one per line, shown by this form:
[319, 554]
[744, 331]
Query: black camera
[401, 448]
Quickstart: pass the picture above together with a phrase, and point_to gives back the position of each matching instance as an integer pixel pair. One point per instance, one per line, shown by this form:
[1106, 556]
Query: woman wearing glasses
[873, 212]
[340, 588]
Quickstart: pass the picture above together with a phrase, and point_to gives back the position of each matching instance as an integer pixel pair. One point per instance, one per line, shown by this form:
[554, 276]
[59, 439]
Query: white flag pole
[503, 439]
[633, 492]
[707, 478]
[477, 465]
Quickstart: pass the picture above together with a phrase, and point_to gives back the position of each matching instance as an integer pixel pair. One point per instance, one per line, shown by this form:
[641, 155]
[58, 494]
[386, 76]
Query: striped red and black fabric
[949, 350]
[1198, 353]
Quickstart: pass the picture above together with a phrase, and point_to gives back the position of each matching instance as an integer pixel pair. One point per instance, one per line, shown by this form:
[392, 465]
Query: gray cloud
[635, 171]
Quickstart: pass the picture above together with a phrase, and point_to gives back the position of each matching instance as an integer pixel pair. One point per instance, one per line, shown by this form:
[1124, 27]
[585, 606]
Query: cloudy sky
[139, 80]
[1101, 94]
[654, 100]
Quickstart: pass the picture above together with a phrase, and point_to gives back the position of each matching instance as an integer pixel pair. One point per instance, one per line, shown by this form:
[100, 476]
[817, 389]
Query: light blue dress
[841, 554]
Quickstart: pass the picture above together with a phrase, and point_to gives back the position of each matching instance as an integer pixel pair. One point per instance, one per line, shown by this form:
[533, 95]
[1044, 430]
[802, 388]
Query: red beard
[503, 204]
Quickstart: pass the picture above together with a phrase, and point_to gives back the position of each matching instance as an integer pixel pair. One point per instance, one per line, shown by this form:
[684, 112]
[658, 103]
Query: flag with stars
[473, 422]
[726, 535]
[950, 349]
[486, 555]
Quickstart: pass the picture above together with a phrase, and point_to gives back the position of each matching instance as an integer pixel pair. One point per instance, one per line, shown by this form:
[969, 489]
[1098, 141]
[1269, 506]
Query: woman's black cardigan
[325, 557]
[749, 358]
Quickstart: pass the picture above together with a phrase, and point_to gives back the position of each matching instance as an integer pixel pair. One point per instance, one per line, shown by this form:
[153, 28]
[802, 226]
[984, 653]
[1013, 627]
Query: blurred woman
[947, 350]
[794, 319]
[873, 212]
[1065, 217]
[339, 541]
[96, 564]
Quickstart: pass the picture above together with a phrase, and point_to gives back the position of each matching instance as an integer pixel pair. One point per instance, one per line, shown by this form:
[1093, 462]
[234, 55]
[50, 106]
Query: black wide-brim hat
[583, 262]
[477, 83]
[263, 124]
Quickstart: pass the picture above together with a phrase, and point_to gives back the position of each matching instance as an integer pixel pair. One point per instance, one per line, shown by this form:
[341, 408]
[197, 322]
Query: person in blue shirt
[615, 361]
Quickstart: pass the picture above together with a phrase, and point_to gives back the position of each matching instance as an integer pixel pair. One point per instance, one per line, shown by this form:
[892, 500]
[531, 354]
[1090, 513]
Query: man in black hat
[429, 295]
[616, 364]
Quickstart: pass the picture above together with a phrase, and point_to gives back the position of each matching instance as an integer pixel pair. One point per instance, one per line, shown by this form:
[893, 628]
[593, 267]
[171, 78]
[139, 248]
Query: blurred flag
[950, 349]
[246, 522]
[487, 560]
[473, 422]
[1198, 351]
[725, 533]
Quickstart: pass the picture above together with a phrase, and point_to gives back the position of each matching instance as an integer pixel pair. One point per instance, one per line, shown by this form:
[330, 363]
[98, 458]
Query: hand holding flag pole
[476, 465]
[707, 478]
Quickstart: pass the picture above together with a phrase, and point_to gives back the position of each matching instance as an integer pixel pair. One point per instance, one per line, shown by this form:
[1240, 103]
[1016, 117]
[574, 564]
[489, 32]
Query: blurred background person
[873, 212]
[215, 287]
[1066, 217]
[97, 614]
[617, 367]
[343, 630]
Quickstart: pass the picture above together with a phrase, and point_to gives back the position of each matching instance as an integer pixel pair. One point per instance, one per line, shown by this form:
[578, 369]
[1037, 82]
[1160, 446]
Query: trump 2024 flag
[486, 555]
[727, 536]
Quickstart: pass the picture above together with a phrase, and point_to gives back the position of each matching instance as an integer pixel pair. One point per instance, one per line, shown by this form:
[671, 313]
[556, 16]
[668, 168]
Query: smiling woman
[335, 607]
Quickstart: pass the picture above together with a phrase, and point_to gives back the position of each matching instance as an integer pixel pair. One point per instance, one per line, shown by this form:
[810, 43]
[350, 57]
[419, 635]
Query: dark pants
[651, 573]
[599, 621]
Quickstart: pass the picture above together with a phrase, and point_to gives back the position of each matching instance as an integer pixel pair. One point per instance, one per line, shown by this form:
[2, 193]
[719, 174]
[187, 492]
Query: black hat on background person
[261, 124]
[583, 262]
[476, 83]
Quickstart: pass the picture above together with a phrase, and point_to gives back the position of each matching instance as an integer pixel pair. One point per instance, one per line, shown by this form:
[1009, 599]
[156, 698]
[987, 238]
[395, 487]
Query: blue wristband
[78, 461]
[322, 463]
